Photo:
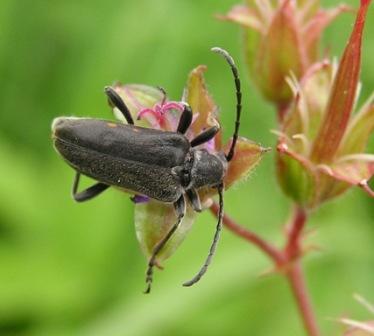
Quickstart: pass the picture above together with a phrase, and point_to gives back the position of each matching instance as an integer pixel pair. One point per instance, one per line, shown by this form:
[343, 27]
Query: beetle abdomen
[141, 178]
[139, 144]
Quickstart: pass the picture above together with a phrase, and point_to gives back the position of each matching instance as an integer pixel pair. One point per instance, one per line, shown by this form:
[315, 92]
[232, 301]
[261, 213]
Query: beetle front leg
[180, 209]
[194, 199]
[205, 136]
[185, 120]
[88, 193]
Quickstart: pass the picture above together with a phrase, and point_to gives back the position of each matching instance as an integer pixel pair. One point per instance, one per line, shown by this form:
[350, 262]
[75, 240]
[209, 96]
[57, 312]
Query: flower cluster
[321, 146]
[151, 107]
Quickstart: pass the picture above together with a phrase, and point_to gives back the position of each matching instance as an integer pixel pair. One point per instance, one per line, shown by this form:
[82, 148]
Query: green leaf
[359, 130]
[153, 220]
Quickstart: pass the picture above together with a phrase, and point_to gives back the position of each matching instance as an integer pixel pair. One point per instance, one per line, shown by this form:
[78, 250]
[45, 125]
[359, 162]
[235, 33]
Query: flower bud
[280, 37]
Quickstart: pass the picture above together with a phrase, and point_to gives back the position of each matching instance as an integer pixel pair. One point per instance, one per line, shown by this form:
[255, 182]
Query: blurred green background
[76, 269]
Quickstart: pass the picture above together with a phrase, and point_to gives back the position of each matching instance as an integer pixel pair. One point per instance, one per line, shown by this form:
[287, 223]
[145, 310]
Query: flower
[321, 147]
[151, 107]
[280, 37]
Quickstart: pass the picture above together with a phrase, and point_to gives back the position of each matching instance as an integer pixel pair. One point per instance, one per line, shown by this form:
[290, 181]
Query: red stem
[297, 283]
[295, 274]
[286, 259]
[293, 247]
[273, 253]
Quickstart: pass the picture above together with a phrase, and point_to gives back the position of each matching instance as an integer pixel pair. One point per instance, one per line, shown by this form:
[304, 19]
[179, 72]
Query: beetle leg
[116, 100]
[88, 193]
[185, 120]
[212, 249]
[194, 198]
[205, 136]
[180, 209]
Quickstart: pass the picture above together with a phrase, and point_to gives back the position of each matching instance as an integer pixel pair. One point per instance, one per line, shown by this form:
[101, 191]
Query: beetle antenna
[213, 247]
[234, 70]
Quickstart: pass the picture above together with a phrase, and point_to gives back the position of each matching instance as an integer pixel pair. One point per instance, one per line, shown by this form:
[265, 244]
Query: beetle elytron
[162, 165]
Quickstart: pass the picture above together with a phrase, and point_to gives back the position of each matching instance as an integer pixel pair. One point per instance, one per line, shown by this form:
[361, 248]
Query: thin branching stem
[286, 260]
[272, 252]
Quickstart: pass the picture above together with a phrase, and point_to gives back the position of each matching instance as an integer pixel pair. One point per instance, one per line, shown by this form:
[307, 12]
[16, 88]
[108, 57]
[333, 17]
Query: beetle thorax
[205, 169]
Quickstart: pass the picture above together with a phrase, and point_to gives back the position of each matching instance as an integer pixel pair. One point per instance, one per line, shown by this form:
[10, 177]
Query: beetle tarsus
[213, 247]
[180, 208]
[88, 193]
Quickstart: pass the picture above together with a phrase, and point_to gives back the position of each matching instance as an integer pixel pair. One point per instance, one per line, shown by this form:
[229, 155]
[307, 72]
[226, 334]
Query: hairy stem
[286, 259]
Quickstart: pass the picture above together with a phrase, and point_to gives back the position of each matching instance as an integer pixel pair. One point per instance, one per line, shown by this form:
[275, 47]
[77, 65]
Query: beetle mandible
[162, 165]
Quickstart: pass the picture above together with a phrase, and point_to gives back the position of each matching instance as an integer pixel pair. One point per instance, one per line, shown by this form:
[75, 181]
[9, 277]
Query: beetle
[161, 165]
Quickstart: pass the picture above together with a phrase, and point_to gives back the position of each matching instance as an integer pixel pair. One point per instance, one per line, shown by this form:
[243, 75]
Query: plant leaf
[359, 130]
[342, 95]
[247, 155]
[152, 222]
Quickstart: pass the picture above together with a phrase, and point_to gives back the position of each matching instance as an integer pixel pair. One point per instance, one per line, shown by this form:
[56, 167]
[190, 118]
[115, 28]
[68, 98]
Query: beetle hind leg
[180, 208]
[88, 193]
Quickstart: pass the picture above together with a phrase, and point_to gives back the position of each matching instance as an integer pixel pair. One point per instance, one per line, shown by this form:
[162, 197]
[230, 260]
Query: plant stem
[286, 259]
[295, 274]
[296, 280]
[293, 248]
[272, 252]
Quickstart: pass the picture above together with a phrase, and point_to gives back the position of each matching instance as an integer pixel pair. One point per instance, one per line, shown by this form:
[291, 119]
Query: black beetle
[162, 165]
